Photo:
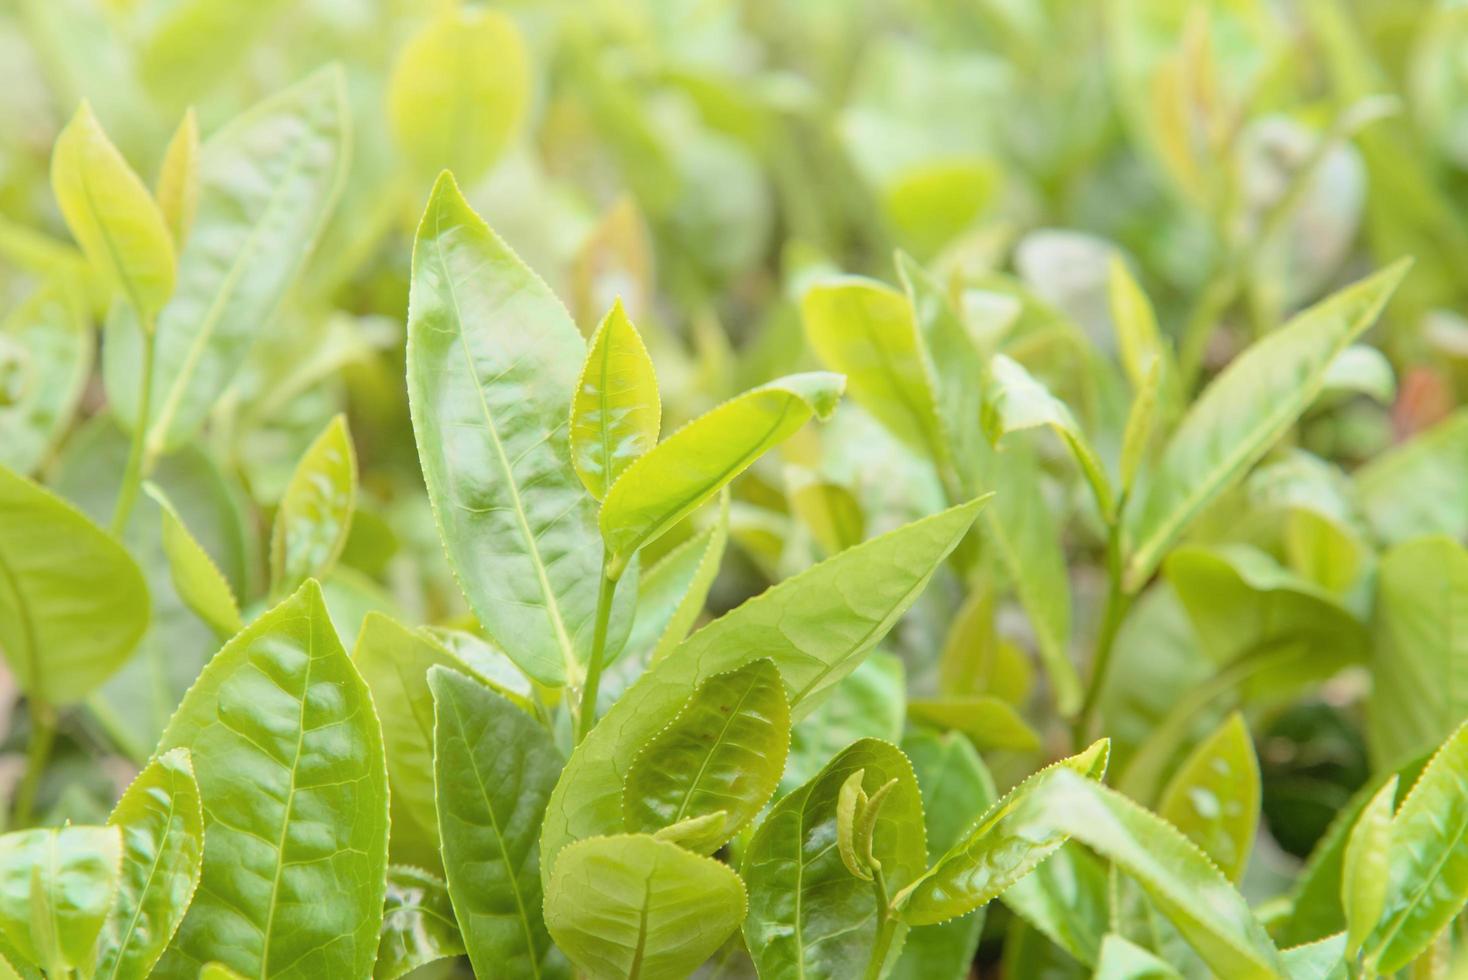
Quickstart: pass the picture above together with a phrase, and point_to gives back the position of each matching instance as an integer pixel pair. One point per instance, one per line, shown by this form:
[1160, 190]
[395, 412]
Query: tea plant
[370, 611]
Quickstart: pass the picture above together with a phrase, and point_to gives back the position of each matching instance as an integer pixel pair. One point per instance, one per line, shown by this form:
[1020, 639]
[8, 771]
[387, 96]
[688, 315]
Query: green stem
[886, 928]
[132, 476]
[1118, 601]
[38, 753]
[587, 713]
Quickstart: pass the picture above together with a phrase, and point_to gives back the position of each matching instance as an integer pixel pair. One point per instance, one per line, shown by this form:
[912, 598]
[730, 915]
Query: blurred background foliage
[704, 161]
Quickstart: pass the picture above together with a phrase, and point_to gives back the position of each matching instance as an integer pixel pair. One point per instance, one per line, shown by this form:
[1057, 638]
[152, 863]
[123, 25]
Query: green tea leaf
[1420, 487]
[178, 179]
[493, 770]
[1365, 869]
[492, 362]
[162, 822]
[1428, 859]
[1197, 899]
[73, 603]
[632, 906]
[998, 850]
[814, 630]
[394, 661]
[289, 758]
[459, 92]
[1419, 686]
[56, 890]
[196, 578]
[1136, 440]
[1324, 959]
[112, 215]
[267, 182]
[46, 349]
[660, 488]
[809, 915]
[1361, 370]
[1121, 959]
[418, 924]
[831, 512]
[1213, 798]
[864, 329]
[869, 702]
[956, 787]
[989, 722]
[679, 583]
[315, 513]
[1016, 401]
[1243, 413]
[1139, 341]
[724, 751]
[615, 414]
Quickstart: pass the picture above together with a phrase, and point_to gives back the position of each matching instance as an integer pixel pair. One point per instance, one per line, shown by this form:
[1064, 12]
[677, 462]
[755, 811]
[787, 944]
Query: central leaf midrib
[718, 742]
[552, 606]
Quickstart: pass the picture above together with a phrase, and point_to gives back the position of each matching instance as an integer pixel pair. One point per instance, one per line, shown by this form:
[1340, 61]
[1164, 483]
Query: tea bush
[651, 489]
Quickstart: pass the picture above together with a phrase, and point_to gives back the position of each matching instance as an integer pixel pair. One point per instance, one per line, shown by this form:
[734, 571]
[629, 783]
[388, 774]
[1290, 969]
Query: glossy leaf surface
[1365, 868]
[1429, 862]
[493, 769]
[162, 821]
[492, 364]
[73, 603]
[723, 752]
[56, 890]
[815, 626]
[659, 489]
[809, 915]
[1213, 798]
[632, 906]
[290, 764]
[615, 414]
[418, 924]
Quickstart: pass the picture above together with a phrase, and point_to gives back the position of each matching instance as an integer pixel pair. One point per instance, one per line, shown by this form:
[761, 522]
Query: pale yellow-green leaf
[315, 513]
[615, 413]
[112, 215]
[668, 483]
[199, 582]
[56, 888]
[459, 92]
[1213, 798]
[177, 189]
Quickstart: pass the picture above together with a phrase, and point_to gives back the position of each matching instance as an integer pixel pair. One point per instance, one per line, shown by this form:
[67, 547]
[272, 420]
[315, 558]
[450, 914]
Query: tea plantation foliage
[663, 488]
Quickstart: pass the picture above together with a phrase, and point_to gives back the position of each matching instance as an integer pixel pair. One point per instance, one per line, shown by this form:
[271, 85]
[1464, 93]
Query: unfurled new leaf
[616, 413]
[809, 915]
[660, 488]
[112, 215]
[723, 752]
[632, 906]
[178, 179]
[815, 626]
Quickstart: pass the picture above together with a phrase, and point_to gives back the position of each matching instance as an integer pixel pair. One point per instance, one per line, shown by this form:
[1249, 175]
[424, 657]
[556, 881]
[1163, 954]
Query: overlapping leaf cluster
[874, 461]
